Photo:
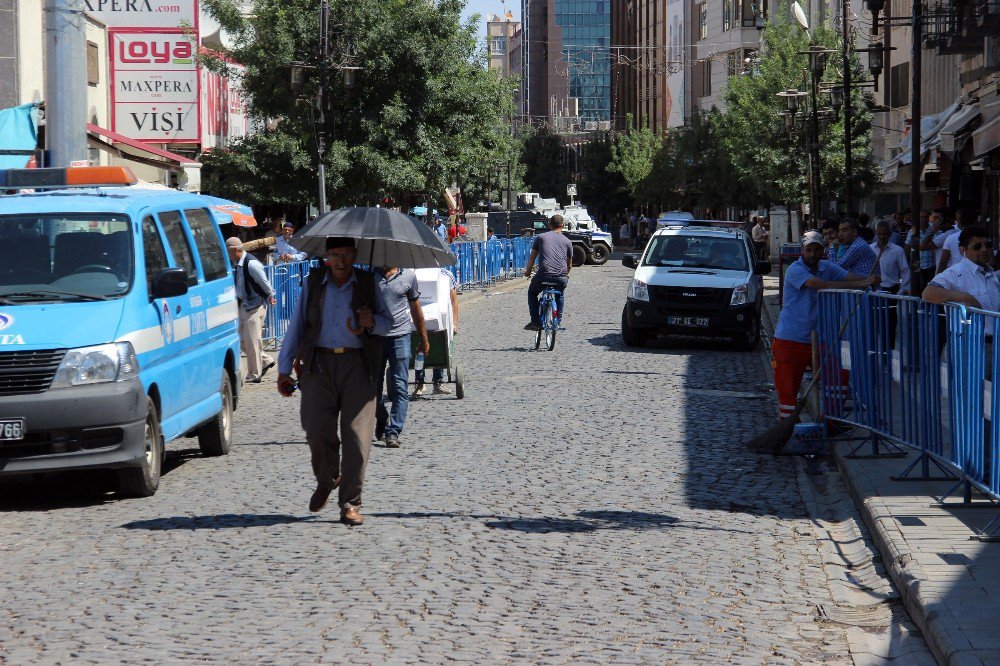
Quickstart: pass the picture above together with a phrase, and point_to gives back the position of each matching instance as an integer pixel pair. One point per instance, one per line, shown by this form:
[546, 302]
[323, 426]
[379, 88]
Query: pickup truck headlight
[638, 291]
[739, 295]
[115, 362]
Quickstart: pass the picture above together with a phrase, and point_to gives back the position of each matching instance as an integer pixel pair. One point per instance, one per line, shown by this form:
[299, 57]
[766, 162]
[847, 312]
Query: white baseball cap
[812, 238]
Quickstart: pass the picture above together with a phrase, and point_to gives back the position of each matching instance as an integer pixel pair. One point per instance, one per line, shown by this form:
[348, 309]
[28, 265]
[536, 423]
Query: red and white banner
[223, 108]
[155, 86]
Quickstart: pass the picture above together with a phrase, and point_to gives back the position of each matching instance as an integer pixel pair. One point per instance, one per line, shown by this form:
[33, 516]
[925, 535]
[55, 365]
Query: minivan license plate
[11, 430]
[693, 322]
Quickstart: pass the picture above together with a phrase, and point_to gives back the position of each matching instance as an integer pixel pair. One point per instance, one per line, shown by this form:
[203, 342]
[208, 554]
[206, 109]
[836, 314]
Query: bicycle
[548, 315]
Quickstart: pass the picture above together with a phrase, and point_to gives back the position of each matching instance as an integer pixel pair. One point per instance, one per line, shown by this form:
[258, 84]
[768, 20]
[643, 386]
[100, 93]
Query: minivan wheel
[633, 337]
[215, 438]
[600, 254]
[143, 481]
[749, 340]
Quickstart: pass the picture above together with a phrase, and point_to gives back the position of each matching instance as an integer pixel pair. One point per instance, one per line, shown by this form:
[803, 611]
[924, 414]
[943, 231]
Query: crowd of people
[955, 263]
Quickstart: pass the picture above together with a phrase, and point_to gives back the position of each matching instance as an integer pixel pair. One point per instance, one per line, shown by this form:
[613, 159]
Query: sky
[487, 7]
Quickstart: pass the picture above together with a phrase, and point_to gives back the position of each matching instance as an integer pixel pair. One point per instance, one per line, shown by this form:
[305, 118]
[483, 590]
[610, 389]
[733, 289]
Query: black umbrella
[385, 238]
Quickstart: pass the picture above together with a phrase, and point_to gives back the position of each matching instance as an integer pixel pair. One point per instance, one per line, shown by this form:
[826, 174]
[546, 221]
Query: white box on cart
[435, 299]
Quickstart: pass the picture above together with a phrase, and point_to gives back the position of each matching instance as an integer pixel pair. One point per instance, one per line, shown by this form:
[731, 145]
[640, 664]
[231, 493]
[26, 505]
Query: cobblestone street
[587, 504]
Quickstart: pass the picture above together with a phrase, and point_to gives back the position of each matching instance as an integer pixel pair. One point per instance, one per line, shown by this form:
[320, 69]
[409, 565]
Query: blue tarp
[18, 131]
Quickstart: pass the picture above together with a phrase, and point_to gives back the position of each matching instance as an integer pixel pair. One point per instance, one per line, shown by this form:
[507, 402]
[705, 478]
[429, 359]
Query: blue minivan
[118, 326]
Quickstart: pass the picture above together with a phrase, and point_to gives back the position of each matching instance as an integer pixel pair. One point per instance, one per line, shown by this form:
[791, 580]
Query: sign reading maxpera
[154, 79]
[144, 13]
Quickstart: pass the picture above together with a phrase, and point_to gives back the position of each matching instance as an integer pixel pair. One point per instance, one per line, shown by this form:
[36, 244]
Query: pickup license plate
[691, 322]
[11, 430]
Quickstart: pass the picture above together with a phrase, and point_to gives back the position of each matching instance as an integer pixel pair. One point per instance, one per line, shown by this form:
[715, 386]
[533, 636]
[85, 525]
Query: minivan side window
[153, 250]
[171, 221]
[206, 240]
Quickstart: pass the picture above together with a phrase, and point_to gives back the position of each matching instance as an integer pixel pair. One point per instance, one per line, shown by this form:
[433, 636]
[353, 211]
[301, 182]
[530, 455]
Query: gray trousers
[337, 388]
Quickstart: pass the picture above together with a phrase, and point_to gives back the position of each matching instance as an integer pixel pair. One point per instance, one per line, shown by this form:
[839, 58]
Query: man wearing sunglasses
[971, 281]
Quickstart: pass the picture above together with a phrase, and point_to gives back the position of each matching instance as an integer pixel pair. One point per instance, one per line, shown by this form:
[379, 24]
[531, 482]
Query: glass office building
[586, 38]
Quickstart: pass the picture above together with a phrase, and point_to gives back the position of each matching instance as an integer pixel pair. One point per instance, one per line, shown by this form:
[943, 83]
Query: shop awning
[138, 151]
[954, 134]
[18, 135]
[986, 138]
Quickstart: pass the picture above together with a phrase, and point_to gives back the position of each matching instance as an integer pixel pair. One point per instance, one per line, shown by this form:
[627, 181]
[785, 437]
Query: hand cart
[435, 301]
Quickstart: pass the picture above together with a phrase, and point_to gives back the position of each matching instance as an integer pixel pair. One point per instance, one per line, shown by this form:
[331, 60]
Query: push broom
[776, 437]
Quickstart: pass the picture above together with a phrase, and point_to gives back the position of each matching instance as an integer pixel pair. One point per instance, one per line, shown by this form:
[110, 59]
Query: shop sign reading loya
[154, 86]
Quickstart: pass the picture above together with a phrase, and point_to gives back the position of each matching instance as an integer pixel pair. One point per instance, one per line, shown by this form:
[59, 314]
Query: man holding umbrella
[333, 342]
[332, 345]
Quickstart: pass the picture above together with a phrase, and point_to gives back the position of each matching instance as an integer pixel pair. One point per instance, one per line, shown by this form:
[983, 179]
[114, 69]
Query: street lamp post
[324, 58]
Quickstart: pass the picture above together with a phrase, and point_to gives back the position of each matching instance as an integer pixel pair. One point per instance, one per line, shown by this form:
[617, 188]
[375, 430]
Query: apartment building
[500, 31]
[960, 110]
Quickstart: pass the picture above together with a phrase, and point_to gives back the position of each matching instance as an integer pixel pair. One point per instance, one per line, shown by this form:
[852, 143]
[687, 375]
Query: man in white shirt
[283, 250]
[894, 271]
[935, 240]
[893, 267]
[971, 281]
[759, 236]
[949, 251]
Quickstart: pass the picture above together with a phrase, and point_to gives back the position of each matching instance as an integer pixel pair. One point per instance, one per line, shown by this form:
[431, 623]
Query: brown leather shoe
[349, 515]
[322, 494]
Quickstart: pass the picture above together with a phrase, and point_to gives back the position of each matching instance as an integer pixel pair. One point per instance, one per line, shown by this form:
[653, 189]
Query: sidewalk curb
[898, 560]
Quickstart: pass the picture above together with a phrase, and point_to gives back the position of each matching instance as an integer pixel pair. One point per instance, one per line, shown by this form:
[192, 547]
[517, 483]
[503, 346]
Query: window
[728, 14]
[750, 9]
[206, 240]
[899, 85]
[156, 255]
[733, 64]
[93, 64]
[498, 45]
[174, 231]
[702, 20]
[707, 73]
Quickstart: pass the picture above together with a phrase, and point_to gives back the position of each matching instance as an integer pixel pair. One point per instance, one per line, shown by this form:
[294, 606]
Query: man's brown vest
[364, 294]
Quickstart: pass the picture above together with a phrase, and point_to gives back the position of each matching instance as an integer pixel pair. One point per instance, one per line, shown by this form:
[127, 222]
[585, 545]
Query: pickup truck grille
[25, 372]
[690, 298]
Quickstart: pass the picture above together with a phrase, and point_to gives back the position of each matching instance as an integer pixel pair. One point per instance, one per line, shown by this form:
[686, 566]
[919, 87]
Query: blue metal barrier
[919, 376]
[478, 265]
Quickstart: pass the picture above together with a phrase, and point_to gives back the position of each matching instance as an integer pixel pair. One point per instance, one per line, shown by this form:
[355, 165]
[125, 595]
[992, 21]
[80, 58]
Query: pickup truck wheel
[600, 254]
[749, 340]
[579, 256]
[143, 481]
[633, 337]
[215, 438]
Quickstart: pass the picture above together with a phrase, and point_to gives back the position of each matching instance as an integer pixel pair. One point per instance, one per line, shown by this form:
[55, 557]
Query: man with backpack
[253, 293]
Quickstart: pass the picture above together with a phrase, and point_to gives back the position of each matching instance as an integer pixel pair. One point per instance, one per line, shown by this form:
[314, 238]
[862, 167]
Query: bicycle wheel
[538, 333]
[551, 324]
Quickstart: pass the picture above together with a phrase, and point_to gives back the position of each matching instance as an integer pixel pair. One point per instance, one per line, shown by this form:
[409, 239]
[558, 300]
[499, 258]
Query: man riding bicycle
[554, 253]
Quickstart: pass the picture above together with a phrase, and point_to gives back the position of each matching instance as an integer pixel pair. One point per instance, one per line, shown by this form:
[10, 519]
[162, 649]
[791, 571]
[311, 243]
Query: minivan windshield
[64, 257]
[697, 252]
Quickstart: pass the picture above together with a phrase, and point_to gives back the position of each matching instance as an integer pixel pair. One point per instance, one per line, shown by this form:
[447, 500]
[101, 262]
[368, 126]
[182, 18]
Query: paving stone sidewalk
[948, 580]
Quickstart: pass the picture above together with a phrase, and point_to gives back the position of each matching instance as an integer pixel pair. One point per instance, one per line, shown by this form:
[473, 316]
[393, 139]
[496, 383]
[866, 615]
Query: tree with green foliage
[632, 155]
[542, 160]
[770, 167]
[425, 111]
[603, 191]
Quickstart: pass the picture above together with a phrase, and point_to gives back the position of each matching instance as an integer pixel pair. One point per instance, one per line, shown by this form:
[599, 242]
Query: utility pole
[324, 55]
[65, 82]
[915, 163]
[848, 166]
